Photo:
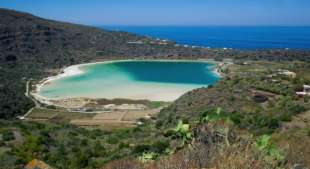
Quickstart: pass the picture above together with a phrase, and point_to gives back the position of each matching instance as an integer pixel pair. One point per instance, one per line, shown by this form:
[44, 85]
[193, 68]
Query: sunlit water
[237, 37]
[152, 80]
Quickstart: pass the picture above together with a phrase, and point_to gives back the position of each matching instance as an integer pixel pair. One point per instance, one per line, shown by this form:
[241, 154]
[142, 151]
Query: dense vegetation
[222, 126]
[227, 128]
[66, 146]
[200, 129]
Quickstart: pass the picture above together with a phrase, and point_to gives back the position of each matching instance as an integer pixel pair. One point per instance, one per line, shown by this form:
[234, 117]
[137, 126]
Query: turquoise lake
[152, 80]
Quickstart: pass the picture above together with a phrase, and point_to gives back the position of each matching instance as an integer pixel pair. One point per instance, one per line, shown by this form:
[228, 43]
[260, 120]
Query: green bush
[51, 107]
[8, 135]
[263, 144]
[2, 143]
[213, 115]
[295, 109]
[99, 149]
[112, 140]
[255, 122]
[148, 156]
[183, 132]
[140, 149]
[158, 124]
[285, 117]
[122, 145]
[160, 147]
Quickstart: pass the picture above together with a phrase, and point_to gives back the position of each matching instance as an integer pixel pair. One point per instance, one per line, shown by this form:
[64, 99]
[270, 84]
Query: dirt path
[27, 94]
[36, 103]
[122, 116]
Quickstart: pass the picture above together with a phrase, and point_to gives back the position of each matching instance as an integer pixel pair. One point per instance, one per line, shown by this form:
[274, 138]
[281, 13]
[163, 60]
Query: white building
[305, 92]
[287, 73]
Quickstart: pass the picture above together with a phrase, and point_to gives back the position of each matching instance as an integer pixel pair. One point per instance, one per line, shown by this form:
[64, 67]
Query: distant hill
[24, 37]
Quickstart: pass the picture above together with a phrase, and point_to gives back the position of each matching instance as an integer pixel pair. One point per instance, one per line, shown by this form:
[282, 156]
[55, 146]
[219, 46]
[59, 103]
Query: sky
[169, 12]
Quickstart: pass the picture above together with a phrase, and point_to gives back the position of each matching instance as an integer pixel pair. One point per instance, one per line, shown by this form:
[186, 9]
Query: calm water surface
[238, 37]
[154, 80]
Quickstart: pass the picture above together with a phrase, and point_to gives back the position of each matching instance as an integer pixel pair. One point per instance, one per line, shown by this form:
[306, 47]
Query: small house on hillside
[135, 42]
[305, 92]
[287, 73]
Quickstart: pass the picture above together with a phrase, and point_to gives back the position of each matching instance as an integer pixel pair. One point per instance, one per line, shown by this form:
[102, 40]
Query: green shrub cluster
[272, 152]
[8, 135]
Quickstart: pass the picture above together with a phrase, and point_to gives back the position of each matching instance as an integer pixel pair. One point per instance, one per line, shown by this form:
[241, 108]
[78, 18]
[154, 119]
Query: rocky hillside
[32, 47]
[26, 38]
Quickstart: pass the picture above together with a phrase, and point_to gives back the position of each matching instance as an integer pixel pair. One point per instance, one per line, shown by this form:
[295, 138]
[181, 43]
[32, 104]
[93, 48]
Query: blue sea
[237, 37]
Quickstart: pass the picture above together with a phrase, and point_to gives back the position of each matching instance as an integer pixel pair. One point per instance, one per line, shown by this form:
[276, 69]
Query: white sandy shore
[67, 72]
[76, 70]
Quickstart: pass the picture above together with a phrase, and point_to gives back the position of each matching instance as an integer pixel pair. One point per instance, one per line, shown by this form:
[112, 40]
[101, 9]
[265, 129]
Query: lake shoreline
[74, 70]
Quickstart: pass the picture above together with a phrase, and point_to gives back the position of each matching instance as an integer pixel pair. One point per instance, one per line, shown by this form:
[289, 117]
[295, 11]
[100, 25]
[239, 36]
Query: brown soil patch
[113, 115]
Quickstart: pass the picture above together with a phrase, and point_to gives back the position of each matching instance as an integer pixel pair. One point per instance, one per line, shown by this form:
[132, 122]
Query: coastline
[74, 70]
[66, 72]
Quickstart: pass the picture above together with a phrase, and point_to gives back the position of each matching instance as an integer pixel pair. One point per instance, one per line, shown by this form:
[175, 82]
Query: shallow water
[153, 80]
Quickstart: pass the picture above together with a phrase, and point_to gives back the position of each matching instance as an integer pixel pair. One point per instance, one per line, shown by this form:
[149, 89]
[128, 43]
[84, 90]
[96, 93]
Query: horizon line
[194, 25]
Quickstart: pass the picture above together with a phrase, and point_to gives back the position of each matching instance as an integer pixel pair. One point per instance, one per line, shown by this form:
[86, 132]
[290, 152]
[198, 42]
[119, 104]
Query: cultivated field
[104, 120]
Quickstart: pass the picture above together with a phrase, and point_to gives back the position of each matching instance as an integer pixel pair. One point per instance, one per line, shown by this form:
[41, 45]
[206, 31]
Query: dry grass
[200, 157]
[134, 115]
[294, 138]
[208, 151]
[240, 158]
[102, 124]
[107, 120]
[38, 113]
[115, 115]
[57, 115]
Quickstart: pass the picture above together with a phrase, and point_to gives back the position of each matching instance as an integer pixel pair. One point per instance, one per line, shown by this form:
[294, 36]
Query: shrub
[123, 145]
[139, 149]
[99, 150]
[112, 140]
[148, 156]
[295, 109]
[159, 123]
[307, 99]
[144, 151]
[263, 144]
[285, 117]
[3, 144]
[256, 122]
[160, 146]
[183, 131]
[8, 135]
[84, 142]
[212, 115]
[51, 107]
